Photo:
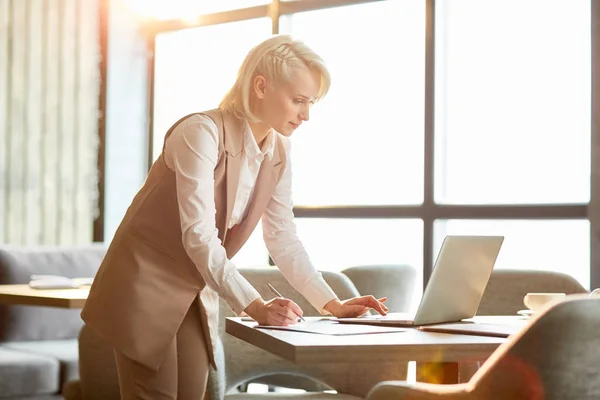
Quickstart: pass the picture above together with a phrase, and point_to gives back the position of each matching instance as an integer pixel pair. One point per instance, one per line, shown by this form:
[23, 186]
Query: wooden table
[26, 296]
[437, 354]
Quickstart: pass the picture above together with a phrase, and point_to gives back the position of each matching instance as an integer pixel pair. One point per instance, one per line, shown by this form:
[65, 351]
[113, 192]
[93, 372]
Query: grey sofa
[38, 345]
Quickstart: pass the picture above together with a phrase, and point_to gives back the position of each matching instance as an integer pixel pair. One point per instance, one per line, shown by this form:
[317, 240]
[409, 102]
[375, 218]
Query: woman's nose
[304, 115]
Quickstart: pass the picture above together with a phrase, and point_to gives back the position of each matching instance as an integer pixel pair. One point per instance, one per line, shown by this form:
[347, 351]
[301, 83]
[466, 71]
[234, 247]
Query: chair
[396, 282]
[507, 287]
[245, 363]
[505, 291]
[555, 357]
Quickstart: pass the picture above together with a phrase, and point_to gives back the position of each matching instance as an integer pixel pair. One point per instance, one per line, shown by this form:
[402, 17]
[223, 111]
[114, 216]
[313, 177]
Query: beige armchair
[507, 287]
[244, 363]
[247, 363]
[504, 295]
[394, 281]
[556, 357]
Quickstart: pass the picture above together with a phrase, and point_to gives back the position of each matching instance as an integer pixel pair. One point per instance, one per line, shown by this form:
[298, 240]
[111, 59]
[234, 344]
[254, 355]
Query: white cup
[535, 301]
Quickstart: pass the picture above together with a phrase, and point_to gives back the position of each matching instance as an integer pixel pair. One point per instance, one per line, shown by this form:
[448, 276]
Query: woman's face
[285, 106]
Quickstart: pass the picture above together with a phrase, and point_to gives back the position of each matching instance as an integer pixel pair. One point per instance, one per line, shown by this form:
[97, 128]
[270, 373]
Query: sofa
[38, 345]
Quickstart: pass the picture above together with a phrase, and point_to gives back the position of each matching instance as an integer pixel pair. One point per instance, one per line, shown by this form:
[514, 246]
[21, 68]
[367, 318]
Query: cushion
[65, 351]
[27, 374]
[17, 264]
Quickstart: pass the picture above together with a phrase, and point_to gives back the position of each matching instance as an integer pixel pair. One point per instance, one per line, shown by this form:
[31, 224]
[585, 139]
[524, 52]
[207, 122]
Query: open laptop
[460, 274]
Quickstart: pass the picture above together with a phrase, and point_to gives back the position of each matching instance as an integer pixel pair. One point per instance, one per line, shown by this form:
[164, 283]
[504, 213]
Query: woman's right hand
[276, 312]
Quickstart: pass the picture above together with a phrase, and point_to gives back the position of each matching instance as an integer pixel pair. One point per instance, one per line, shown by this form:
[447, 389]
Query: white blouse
[192, 152]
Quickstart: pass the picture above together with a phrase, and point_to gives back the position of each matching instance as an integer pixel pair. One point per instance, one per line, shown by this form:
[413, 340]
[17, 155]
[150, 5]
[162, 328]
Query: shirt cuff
[319, 293]
[238, 292]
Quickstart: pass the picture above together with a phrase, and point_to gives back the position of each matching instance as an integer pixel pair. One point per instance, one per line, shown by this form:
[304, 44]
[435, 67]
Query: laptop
[460, 275]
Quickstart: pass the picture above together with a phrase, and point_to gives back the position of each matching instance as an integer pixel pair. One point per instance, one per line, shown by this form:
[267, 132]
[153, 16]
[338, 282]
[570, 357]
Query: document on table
[329, 327]
[496, 326]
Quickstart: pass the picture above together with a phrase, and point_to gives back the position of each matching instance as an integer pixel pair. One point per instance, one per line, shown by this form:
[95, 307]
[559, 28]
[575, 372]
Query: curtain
[49, 86]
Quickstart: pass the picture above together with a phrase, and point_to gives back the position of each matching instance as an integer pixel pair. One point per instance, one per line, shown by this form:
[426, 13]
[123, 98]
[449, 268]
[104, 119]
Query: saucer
[525, 313]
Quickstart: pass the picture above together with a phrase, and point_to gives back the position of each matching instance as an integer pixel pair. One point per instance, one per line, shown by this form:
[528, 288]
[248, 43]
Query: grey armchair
[507, 287]
[245, 363]
[396, 282]
[505, 291]
[555, 357]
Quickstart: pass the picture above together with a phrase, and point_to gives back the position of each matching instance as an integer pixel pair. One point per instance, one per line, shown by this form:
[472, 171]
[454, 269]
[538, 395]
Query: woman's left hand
[356, 306]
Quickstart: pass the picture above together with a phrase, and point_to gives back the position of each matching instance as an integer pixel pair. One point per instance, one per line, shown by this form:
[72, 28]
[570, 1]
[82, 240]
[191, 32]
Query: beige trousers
[182, 375]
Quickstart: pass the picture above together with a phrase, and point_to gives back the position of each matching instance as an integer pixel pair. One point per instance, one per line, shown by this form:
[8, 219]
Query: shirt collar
[251, 147]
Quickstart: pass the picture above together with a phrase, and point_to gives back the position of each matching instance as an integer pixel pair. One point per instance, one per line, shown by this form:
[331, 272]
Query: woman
[155, 296]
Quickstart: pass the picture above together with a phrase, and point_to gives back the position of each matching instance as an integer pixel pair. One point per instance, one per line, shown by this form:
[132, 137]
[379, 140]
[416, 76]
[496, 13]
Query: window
[336, 244]
[551, 245]
[513, 101]
[196, 67]
[254, 253]
[184, 9]
[364, 142]
[508, 97]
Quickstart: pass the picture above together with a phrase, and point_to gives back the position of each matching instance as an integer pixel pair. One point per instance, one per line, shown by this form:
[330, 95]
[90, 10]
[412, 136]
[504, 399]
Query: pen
[276, 293]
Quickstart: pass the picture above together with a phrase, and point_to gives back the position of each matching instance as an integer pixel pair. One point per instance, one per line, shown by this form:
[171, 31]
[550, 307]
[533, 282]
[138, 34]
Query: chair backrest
[506, 288]
[17, 264]
[396, 282]
[556, 357]
[244, 362]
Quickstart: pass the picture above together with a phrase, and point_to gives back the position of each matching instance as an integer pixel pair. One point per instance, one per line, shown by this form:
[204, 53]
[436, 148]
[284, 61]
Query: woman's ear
[259, 84]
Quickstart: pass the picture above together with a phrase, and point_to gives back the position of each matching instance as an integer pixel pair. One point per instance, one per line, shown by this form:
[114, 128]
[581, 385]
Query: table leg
[357, 379]
[466, 370]
[437, 372]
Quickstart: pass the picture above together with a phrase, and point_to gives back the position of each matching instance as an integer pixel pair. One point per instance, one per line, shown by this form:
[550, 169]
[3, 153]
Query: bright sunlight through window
[512, 120]
[513, 101]
[183, 9]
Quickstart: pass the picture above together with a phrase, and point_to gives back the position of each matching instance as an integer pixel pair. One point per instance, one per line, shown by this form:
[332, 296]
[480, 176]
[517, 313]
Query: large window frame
[429, 210]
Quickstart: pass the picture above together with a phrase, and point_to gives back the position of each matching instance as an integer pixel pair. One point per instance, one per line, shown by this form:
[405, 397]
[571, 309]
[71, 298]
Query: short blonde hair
[276, 59]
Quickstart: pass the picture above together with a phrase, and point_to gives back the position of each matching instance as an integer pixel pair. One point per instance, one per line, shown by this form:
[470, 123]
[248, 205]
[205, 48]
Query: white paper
[329, 327]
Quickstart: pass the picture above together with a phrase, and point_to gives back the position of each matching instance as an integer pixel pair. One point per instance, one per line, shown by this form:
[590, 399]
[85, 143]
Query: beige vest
[147, 282]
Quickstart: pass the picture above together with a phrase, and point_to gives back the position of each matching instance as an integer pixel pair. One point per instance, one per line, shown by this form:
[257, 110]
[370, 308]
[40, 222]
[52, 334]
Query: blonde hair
[276, 59]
